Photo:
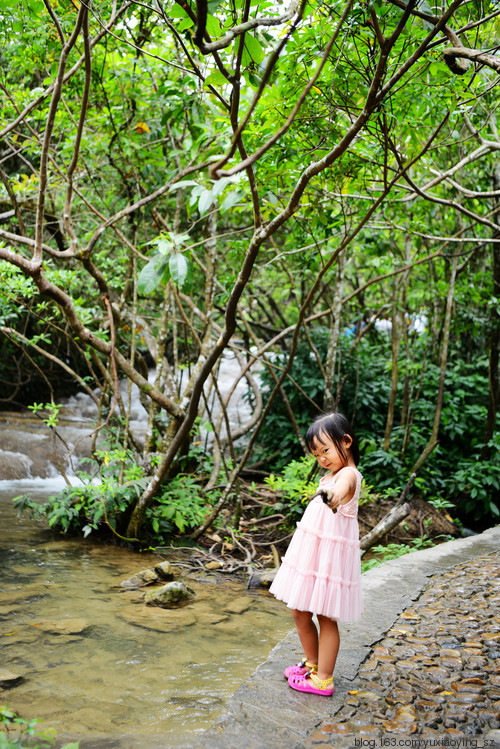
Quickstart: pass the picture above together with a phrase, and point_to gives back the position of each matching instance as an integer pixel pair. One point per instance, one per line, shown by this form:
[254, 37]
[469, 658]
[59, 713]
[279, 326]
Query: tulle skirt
[321, 570]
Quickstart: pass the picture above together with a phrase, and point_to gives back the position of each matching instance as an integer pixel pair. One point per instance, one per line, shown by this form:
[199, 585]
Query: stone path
[436, 674]
[420, 669]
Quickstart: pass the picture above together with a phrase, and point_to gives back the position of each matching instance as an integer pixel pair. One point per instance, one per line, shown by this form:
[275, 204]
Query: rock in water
[10, 678]
[140, 579]
[63, 626]
[261, 578]
[171, 594]
[164, 570]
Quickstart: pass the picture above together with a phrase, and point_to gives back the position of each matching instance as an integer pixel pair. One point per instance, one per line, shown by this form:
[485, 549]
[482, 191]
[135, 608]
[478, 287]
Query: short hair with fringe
[335, 426]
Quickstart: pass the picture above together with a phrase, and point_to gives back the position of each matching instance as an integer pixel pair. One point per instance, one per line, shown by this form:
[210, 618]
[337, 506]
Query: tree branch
[51, 291]
[79, 133]
[51, 116]
[16, 334]
[34, 104]
[216, 169]
[451, 54]
[242, 28]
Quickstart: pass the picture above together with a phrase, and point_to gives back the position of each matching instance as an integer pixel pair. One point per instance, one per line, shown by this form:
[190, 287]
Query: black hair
[334, 426]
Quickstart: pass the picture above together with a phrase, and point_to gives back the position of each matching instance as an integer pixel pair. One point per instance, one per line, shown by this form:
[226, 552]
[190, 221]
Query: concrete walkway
[264, 713]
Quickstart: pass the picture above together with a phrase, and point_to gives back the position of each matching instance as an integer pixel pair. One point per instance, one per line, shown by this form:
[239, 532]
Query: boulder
[171, 594]
[140, 579]
[159, 619]
[164, 570]
[238, 605]
[261, 578]
[10, 678]
[63, 626]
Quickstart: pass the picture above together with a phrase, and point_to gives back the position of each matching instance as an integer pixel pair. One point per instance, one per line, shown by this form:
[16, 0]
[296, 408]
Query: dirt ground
[423, 520]
[262, 538]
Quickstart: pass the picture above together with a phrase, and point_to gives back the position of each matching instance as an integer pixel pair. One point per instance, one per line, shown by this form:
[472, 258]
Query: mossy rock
[164, 570]
[140, 579]
[171, 594]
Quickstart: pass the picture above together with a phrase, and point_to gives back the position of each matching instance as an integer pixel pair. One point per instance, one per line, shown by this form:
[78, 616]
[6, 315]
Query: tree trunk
[390, 521]
[395, 346]
[333, 339]
[493, 400]
[433, 439]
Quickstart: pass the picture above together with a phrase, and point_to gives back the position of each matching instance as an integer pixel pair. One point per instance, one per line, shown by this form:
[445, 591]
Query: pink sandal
[300, 669]
[318, 686]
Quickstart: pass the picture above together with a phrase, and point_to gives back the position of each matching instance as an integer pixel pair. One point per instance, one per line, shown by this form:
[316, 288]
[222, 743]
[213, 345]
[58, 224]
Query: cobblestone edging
[264, 713]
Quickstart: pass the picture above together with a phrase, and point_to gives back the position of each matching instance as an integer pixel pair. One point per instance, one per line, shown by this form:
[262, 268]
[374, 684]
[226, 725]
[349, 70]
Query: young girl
[321, 570]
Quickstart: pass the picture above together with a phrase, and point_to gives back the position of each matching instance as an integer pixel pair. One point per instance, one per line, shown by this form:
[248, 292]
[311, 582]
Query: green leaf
[253, 51]
[164, 246]
[179, 268]
[213, 25]
[179, 238]
[151, 275]
[184, 24]
[220, 185]
[177, 11]
[183, 183]
[215, 79]
[179, 521]
[231, 199]
[205, 201]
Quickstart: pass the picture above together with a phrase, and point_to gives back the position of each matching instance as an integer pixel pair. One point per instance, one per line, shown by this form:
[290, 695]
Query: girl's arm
[343, 489]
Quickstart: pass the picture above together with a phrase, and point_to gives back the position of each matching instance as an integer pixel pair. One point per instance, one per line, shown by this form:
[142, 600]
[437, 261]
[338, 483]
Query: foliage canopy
[181, 180]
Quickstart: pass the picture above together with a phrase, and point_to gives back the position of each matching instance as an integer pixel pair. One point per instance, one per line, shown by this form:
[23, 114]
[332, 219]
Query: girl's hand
[329, 498]
[342, 492]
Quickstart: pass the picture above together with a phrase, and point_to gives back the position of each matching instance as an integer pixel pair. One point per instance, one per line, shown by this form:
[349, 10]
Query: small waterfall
[29, 449]
[15, 465]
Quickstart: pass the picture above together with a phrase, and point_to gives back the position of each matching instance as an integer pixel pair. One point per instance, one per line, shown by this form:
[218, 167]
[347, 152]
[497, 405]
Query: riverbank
[264, 712]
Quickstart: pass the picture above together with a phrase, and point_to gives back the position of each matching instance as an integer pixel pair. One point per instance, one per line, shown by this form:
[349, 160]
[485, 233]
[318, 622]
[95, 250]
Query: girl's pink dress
[321, 570]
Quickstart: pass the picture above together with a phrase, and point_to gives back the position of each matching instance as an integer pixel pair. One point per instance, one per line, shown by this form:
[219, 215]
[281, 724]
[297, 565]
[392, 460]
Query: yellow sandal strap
[321, 683]
[311, 666]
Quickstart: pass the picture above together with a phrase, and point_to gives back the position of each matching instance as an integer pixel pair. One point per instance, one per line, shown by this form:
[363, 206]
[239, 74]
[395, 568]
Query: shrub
[108, 492]
[293, 487]
[455, 471]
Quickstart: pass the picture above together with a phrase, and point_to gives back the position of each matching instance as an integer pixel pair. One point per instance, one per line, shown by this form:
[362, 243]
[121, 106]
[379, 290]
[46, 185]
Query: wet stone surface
[436, 673]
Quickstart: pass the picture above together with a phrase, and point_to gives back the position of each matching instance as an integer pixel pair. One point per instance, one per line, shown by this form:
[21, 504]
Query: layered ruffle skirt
[321, 570]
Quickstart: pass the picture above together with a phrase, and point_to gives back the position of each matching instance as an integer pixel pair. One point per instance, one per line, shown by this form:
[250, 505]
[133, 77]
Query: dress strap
[351, 468]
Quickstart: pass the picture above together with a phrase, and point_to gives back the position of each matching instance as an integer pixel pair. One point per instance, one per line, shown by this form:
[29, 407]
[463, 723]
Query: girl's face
[328, 455]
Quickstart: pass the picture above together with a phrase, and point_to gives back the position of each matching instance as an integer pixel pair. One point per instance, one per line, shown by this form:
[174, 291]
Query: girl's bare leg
[329, 642]
[308, 634]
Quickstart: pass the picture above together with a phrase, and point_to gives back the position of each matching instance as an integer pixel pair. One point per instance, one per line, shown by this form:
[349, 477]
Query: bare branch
[51, 291]
[486, 148]
[451, 54]
[56, 95]
[57, 23]
[241, 28]
[49, 90]
[79, 133]
[453, 204]
[421, 49]
[17, 335]
[216, 169]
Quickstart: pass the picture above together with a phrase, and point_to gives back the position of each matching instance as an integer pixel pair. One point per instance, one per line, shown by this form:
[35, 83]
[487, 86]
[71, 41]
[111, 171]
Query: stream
[92, 661]
[89, 658]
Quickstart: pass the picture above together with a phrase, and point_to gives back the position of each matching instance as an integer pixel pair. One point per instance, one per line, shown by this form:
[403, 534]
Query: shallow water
[125, 675]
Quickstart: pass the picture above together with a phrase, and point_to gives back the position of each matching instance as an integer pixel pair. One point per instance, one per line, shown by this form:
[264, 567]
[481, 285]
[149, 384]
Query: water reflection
[93, 662]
